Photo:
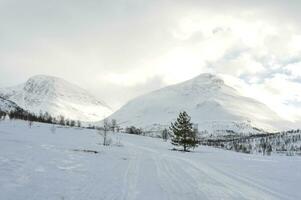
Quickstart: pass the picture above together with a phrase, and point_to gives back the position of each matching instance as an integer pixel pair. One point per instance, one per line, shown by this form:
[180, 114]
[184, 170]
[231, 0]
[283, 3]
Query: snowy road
[36, 163]
[178, 175]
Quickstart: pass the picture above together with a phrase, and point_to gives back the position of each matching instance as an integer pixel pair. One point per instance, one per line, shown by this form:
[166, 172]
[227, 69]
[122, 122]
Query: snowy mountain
[57, 97]
[8, 106]
[212, 104]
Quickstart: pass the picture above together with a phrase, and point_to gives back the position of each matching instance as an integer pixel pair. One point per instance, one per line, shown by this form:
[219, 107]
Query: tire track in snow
[252, 182]
[176, 181]
[176, 184]
[210, 187]
[233, 187]
[211, 184]
[131, 176]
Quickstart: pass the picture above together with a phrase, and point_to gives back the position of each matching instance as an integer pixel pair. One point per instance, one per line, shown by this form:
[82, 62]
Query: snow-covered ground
[40, 163]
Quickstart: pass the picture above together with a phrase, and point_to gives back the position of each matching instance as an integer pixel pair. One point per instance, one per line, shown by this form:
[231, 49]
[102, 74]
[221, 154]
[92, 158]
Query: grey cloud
[118, 95]
[81, 40]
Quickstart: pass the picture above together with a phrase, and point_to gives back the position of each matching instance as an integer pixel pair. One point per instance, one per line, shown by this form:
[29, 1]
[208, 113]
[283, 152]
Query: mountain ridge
[8, 106]
[206, 98]
[57, 97]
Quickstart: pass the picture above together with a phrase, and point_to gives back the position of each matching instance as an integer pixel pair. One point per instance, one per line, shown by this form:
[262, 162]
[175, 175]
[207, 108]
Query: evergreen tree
[62, 120]
[72, 123]
[165, 134]
[79, 123]
[183, 133]
[113, 125]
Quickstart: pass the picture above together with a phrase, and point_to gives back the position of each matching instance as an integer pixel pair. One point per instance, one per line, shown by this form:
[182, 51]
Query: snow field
[37, 163]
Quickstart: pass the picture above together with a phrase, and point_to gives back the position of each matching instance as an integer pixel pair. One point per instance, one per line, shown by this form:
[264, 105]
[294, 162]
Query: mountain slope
[57, 97]
[211, 104]
[8, 106]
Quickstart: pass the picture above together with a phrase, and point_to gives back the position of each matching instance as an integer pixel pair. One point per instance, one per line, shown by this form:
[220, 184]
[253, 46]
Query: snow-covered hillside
[57, 97]
[208, 100]
[8, 106]
[41, 163]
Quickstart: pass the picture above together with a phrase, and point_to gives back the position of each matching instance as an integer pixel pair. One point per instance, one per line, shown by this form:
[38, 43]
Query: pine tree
[183, 133]
[165, 135]
[113, 125]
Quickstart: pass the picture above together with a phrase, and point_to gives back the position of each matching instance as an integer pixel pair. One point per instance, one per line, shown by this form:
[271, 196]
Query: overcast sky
[119, 49]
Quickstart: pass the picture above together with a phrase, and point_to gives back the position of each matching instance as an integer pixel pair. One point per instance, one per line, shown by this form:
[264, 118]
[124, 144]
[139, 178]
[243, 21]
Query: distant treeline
[42, 117]
[286, 142]
[61, 120]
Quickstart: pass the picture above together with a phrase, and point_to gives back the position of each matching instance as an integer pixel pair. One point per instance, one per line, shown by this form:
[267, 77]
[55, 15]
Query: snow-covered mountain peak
[42, 81]
[57, 97]
[205, 86]
[42, 85]
[212, 104]
[202, 84]
[207, 78]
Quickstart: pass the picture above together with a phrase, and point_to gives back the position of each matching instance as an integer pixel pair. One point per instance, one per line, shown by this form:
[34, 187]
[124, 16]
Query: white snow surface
[37, 163]
[207, 99]
[57, 97]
